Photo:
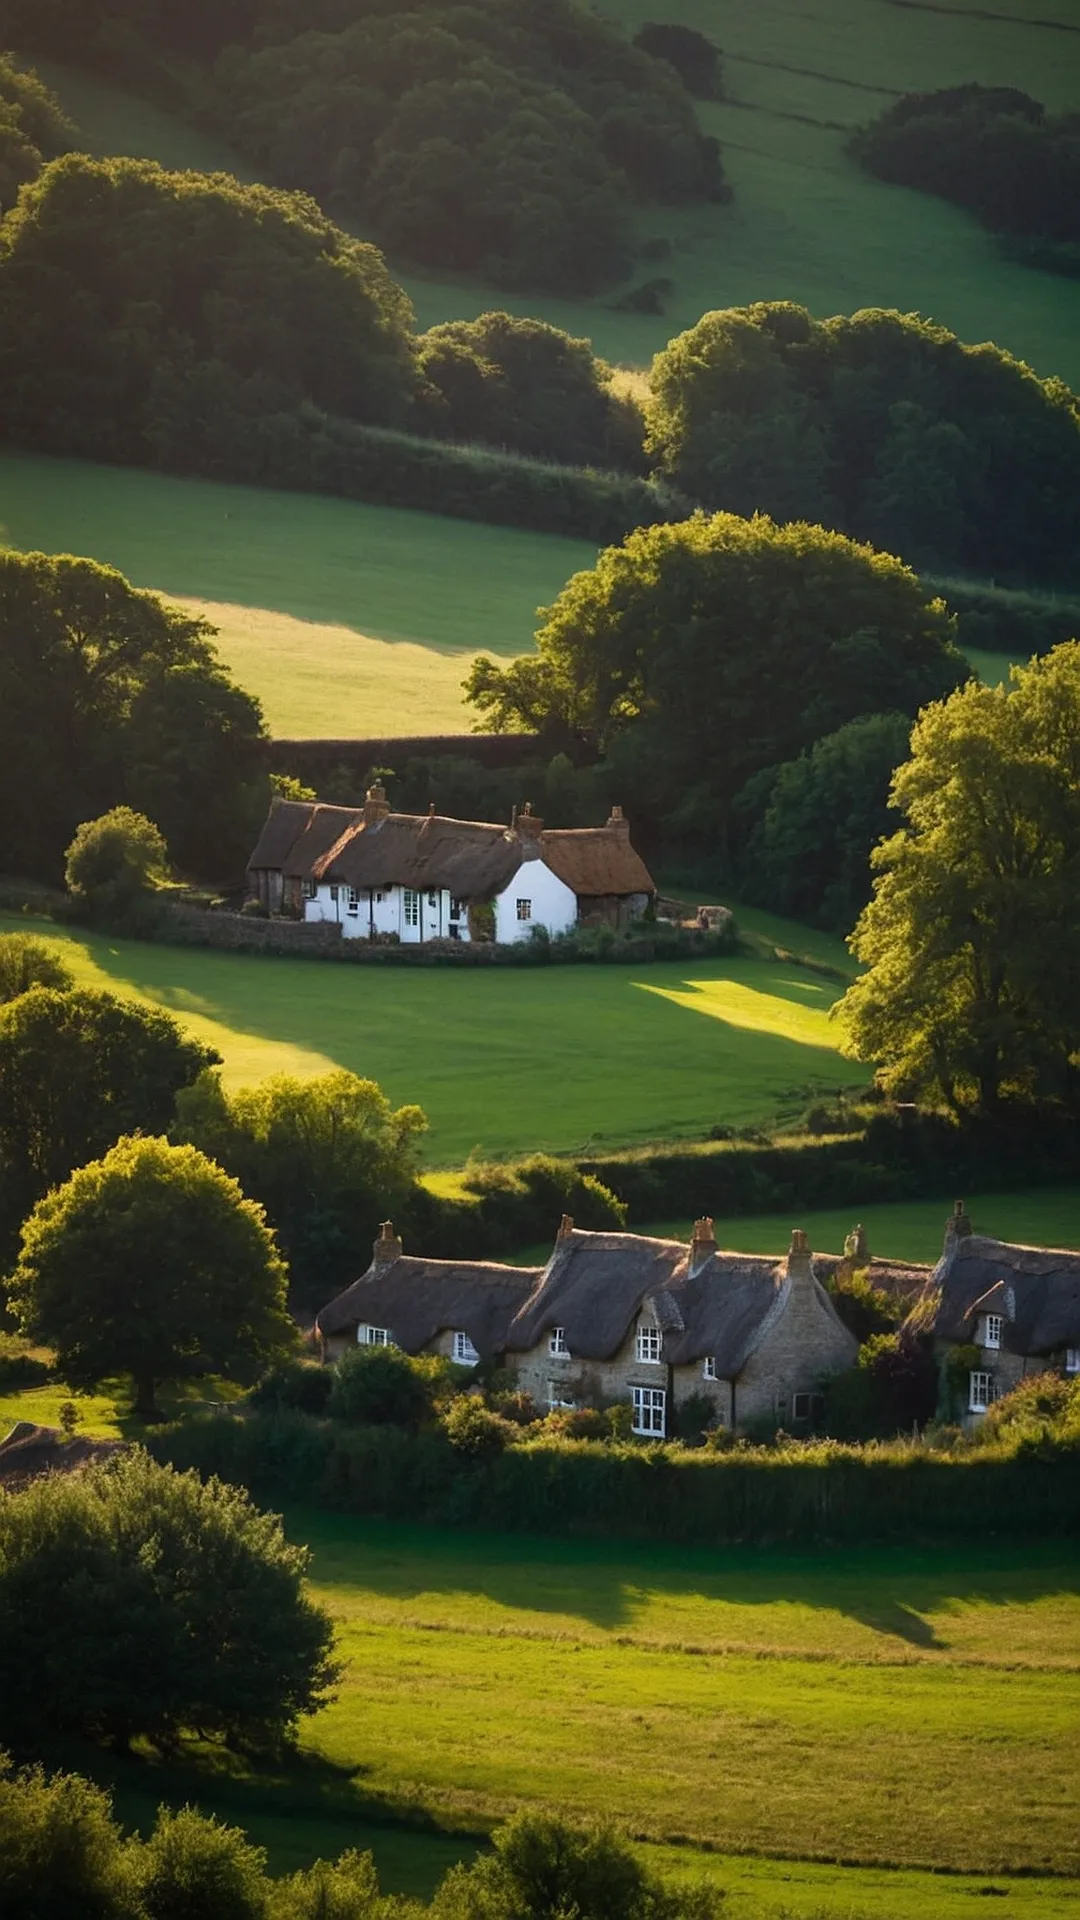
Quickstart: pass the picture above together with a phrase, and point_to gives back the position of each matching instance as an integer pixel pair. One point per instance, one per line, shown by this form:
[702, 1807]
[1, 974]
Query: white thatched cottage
[427, 877]
[615, 1316]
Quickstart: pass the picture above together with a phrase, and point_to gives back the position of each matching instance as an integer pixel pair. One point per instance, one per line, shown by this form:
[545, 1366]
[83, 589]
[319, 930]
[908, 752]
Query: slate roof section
[416, 1300]
[1035, 1289]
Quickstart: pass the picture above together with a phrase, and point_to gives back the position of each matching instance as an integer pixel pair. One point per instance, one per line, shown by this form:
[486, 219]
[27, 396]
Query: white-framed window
[379, 897]
[708, 1367]
[311, 890]
[333, 893]
[650, 1341]
[980, 1392]
[992, 1330]
[458, 909]
[463, 1350]
[1072, 1359]
[557, 1342]
[649, 1404]
[807, 1406]
[373, 1336]
[354, 900]
[412, 907]
[557, 1396]
[524, 909]
[433, 899]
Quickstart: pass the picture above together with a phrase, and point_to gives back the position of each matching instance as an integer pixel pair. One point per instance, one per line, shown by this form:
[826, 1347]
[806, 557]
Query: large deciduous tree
[971, 941]
[150, 1262]
[113, 866]
[697, 654]
[135, 1600]
[109, 696]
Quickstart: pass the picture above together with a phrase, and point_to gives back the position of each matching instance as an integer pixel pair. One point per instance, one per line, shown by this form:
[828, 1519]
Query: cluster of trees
[970, 993]
[33, 128]
[508, 141]
[700, 659]
[109, 697]
[994, 150]
[883, 425]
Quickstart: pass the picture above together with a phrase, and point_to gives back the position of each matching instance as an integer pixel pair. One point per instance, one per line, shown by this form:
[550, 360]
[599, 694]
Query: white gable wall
[413, 916]
[551, 904]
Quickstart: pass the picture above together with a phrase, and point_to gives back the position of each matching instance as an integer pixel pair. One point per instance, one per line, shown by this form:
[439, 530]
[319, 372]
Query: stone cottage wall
[806, 1341]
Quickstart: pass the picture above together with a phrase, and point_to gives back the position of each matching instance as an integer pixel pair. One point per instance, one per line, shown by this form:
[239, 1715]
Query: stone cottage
[1009, 1310]
[615, 1316]
[422, 877]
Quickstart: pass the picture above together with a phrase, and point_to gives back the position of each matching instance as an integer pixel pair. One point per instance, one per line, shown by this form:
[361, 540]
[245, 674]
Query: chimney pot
[566, 1227]
[958, 1226]
[527, 823]
[376, 805]
[619, 823]
[798, 1260]
[703, 1242]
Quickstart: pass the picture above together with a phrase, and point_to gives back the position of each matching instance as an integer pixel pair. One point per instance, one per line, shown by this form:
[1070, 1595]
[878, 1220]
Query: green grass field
[508, 1060]
[875, 1733]
[805, 224]
[346, 620]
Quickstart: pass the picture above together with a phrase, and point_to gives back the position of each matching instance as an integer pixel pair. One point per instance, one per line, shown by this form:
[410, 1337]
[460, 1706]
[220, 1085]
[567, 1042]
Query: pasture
[344, 619]
[805, 223]
[507, 1060]
[831, 1735]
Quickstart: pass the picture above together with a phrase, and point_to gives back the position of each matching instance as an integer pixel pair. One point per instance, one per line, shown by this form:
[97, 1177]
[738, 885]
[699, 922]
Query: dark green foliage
[136, 1600]
[26, 962]
[328, 1158]
[18, 1367]
[112, 868]
[510, 141]
[695, 59]
[169, 309]
[817, 819]
[864, 1309]
[342, 1889]
[998, 621]
[474, 1430]
[150, 1262]
[110, 697]
[696, 655]
[77, 1070]
[294, 1386]
[892, 1388]
[33, 128]
[527, 1198]
[193, 1868]
[1042, 1413]
[62, 1856]
[543, 1868]
[882, 424]
[378, 1386]
[993, 150]
[528, 386]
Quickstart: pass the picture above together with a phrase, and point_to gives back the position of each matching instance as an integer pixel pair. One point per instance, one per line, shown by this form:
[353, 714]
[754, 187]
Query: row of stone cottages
[620, 1316]
[416, 877]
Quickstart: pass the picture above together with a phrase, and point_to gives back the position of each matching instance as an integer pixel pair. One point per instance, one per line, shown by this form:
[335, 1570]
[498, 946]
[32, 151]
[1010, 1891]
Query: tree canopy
[77, 1070]
[884, 425]
[971, 991]
[110, 697]
[135, 1600]
[27, 962]
[151, 1262]
[694, 655]
[113, 865]
[165, 306]
[33, 128]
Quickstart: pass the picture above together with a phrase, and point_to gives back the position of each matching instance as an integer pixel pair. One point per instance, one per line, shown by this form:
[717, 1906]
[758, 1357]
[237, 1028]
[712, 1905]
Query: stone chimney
[618, 824]
[387, 1247]
[799, 1268]
[376, 805]
[566, 1228]
[958, 1225]
[703, 1244]
[527, 823]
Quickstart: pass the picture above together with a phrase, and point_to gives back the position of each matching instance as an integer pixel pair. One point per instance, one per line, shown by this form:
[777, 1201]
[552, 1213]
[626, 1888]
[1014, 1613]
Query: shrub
[864, 1309]
[301, 1386]
[193, 1868]
[543, 1868]
[693, 1417]
[113, 867]
[376, 1386]
[62, 1856]
[26, 962]
[19, 1368]
[473, 1429]
[1043, 1409]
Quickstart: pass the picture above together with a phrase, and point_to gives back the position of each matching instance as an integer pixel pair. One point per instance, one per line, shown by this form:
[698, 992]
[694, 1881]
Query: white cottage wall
[413, 916]
[547, 900]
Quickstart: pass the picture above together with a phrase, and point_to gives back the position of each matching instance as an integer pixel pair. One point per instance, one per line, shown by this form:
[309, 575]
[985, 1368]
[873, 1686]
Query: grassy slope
[607, 1055]
[344, 619]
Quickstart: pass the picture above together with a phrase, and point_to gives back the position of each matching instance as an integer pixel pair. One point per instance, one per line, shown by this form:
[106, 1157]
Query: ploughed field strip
[894, 1706]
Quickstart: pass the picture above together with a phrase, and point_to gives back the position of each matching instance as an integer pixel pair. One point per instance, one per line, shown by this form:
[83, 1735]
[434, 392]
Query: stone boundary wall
[245, 933]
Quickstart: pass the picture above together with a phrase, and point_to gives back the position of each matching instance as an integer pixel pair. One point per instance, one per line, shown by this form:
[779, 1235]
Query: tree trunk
[145, 1404]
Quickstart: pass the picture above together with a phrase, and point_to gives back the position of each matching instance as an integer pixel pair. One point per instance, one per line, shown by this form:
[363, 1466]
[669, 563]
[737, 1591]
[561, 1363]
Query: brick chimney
[703, 1244]
[958, 1225]
[566, 1228]
[618, 824]
[799, 1268]
[527, 824]
[387, 1247]
[376, 805]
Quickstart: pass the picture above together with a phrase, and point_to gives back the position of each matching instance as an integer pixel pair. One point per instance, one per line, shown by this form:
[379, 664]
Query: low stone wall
[246, 933]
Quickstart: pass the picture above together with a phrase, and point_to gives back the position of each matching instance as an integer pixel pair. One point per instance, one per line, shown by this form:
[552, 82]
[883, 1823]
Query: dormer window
[372, 1336]
[992, 1325]
[1072, 1359]
[557, 1343]
[463, 1351]
[708, 1367]
[650, 1342]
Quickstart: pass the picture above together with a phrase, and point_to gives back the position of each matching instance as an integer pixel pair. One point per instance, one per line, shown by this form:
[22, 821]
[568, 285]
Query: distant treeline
[995, 151]
[511, 140]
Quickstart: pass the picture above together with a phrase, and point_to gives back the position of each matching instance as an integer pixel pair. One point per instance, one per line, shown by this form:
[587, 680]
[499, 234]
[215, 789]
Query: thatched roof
[594, 1285]
[1036, 1290]
[418, 1299]
[474, 859]
[596, 861]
